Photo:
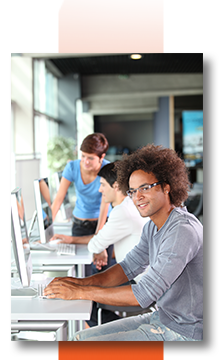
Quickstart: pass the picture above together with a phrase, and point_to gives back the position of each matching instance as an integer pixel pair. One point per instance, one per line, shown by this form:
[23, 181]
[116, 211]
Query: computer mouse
[54, 243]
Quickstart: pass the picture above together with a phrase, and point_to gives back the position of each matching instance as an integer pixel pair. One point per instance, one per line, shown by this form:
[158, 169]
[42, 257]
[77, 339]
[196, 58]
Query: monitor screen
[193, 138]
[43, 208]
[20, 240]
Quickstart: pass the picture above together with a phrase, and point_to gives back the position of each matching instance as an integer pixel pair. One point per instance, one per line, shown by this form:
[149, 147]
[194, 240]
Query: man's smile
[141, 206]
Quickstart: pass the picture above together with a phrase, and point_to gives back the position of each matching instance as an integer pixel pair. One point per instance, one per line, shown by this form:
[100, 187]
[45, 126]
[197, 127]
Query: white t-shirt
[123, 229]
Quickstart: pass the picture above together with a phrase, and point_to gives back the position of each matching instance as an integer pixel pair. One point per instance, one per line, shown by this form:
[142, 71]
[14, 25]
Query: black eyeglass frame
[149, 186]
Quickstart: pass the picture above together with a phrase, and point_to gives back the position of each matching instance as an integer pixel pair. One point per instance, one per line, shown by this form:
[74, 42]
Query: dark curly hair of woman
[164, 163]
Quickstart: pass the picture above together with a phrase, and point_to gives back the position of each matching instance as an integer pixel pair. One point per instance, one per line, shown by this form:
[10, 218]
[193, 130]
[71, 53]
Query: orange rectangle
[109, 350]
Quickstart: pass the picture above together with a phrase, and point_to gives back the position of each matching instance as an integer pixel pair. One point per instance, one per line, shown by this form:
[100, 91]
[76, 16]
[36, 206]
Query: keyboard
[66, 249]
[35, 290]
[60, 248]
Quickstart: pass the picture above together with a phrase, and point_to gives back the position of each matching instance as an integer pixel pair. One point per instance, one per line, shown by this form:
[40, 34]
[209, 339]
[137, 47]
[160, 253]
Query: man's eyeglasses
[142, 189]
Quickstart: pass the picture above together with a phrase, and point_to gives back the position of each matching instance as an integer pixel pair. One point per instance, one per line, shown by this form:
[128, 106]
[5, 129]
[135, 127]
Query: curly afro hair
[164, 163]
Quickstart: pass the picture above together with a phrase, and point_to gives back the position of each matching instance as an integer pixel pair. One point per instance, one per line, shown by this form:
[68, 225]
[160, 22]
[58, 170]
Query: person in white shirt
[124, 225]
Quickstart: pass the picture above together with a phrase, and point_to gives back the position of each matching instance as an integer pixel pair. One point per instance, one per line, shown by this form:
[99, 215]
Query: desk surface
[50, 309]
[83, 256]
[45, 257]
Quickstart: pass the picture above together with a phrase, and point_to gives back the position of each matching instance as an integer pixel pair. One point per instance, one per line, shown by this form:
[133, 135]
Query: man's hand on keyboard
[63, 288]
[79, 281]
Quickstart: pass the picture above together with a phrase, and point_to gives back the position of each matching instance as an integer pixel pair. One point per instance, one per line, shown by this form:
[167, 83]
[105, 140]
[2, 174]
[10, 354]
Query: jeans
[146, 327]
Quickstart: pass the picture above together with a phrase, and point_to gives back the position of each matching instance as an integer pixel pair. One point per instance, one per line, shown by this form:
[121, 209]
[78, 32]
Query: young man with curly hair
[171, 245]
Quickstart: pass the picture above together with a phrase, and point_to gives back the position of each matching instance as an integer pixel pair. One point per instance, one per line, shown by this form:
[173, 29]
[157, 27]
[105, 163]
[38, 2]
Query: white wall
[21, 94]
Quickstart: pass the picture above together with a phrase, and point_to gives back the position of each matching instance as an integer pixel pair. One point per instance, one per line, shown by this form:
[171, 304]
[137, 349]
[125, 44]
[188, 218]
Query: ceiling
[123, 64]
[99, 64]
[113, 95]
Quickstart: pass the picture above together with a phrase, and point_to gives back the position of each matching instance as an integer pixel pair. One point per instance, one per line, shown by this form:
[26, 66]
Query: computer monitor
[66, 207]
[43, 208]
[20, 240]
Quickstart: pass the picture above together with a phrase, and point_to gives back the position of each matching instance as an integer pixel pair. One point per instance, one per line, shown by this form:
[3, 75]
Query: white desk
[41, 259]
[50, 261]
[47, 314]
[83, 256]
[31, 312]
[44, 260]
[49, 309]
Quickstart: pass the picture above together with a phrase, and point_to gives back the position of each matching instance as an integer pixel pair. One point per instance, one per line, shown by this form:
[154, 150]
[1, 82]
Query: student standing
[90, 211]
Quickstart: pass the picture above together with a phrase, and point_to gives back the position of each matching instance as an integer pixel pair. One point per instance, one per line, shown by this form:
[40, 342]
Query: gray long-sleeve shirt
[175, 276]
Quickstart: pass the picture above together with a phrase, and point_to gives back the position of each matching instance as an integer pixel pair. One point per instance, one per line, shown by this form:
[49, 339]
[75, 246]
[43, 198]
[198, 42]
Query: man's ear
[115, 186]
[167, 189]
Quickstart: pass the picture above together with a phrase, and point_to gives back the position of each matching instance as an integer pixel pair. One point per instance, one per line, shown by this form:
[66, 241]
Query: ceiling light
[136, 56]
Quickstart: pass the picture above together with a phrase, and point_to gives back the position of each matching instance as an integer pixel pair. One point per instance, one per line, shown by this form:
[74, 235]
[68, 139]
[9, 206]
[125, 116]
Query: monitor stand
[23, 292]
[34, 217]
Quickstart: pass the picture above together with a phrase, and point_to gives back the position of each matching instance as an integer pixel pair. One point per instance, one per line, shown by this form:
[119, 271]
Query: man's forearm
[111, 277]
[117, 296]
[67, 239]
[81, 239]
[75, 289]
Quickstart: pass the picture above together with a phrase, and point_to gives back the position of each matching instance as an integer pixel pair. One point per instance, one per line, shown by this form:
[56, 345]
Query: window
[46, 124]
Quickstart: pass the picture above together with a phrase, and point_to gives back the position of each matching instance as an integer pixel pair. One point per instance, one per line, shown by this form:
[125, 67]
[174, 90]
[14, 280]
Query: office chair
[123, 309]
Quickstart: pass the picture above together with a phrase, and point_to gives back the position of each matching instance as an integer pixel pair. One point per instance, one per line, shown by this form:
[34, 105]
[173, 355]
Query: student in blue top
[90, 212]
